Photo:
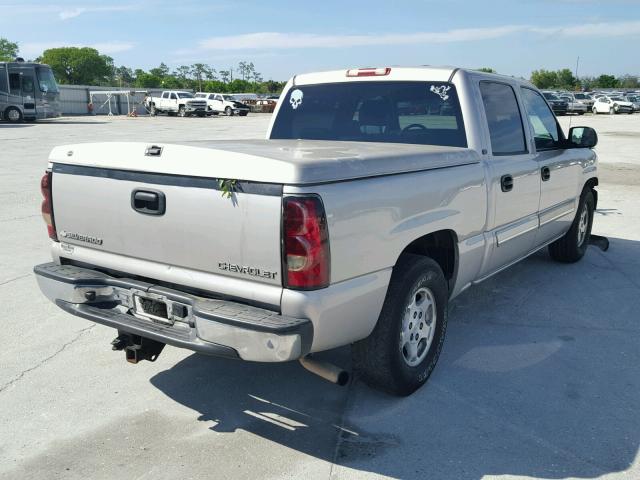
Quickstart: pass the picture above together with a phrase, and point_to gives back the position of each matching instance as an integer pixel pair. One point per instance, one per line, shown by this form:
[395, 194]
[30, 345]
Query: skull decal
[441, 91]
[296, 98]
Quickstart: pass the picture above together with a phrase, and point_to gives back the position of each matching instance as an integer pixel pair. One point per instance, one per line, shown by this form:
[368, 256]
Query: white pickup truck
[176, 102]
[222, 103]
[378, 196]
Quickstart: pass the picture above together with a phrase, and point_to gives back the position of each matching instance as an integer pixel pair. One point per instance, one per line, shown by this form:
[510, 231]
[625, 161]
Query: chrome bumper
[213, 327]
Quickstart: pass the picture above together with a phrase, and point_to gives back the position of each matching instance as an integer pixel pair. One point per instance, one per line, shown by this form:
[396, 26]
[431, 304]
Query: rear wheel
[405, 344]
[574, 244]
[13, 115]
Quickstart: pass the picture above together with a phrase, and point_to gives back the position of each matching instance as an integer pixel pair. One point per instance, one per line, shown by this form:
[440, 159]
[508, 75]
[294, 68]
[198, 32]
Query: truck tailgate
[200, 229]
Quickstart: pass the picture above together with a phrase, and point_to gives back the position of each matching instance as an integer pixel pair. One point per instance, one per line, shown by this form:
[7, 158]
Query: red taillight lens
[368, 72]
[306, 258]
[47, 205]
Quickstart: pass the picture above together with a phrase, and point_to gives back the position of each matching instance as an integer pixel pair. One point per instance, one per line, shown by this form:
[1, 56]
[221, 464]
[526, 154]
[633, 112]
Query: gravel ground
[539, 377]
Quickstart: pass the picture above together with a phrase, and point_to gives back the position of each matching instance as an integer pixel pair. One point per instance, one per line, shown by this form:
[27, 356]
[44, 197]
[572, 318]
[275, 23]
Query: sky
[283, 38]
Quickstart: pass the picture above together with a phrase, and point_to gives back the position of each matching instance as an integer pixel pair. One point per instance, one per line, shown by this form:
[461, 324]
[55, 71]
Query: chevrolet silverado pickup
[175, 102]
[378, 196]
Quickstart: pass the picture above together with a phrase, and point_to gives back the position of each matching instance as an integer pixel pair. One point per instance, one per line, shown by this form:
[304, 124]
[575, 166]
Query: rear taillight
[306, 258]
[47, 205]
[368, 72]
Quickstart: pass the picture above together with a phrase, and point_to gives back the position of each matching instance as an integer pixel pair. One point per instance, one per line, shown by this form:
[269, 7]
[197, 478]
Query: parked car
[635, 101]
[353, 223]
[558, 106]
[221, 103]
[583, 98]
[176, 102]
[612, 105]
[573, 106]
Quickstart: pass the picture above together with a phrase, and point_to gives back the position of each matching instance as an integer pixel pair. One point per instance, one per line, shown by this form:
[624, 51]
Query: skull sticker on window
[296, 98]
[441, 91]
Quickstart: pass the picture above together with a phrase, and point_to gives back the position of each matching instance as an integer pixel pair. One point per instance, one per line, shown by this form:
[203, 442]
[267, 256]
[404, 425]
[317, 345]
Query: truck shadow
[539, 377]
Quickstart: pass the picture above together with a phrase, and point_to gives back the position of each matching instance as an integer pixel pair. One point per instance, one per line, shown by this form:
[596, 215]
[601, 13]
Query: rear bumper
[213, 327]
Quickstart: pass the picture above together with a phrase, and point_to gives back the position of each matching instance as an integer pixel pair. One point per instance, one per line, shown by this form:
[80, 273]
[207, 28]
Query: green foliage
[486, 70]
[606, 81]
[629, 81]
[228, 187]
[79, 66]
[566, 80]
[8, 50]
[544, 78]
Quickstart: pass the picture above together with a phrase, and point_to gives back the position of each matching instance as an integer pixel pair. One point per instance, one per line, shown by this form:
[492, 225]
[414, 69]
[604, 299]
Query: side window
[173, 96]
[212, 97]
[28, 86]
[503, 118]
[3, 79]
[219, 97]
[165, 95]
[546, 131]
[14, 83]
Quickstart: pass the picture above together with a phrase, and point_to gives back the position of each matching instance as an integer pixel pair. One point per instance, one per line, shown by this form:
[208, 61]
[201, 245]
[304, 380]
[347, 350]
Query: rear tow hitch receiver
[137, 348]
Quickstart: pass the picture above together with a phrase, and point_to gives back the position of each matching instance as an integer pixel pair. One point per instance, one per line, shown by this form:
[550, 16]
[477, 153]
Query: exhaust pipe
[326, 370]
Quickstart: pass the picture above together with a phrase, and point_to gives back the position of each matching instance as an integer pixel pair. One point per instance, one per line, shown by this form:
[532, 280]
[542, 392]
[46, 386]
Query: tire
[228, 112]
[594, 110]
[574, 244]
[181, 111]
[201, 114]
[613, 110]
[581, 113]
[152, 110]
[385, 359]
[243, 114]
[13, 115]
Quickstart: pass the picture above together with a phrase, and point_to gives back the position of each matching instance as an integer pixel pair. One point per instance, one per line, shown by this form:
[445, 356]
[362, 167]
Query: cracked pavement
[539, 376]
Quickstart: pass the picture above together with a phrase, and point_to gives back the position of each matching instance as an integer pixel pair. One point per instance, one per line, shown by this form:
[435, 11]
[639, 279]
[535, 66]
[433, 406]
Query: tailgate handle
[153, 151]
[148, 202]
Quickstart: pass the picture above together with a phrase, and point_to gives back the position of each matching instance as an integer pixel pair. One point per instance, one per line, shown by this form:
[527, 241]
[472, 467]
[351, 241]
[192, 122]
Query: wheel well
[592, 183]
[440, 246]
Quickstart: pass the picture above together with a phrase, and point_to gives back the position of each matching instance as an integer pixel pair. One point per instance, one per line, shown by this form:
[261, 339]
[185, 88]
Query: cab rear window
[426, 113]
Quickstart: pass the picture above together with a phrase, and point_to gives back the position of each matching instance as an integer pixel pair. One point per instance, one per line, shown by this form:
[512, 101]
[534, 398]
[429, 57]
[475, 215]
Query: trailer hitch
[137, 348]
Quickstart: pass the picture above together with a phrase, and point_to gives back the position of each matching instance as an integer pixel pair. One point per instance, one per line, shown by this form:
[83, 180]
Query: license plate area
[153, 309]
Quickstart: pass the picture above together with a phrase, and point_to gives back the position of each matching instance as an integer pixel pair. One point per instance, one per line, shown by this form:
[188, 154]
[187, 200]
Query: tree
[200, 71]
[79, 66]
[124, 76]
[544, 78]
[565, 79]
[486, 70]
[224, 75]
[160, 71]
[628, 81]
[606, 81]
[8, 50]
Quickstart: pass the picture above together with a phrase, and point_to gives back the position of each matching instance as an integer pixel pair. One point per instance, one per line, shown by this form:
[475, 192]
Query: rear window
[426, 113]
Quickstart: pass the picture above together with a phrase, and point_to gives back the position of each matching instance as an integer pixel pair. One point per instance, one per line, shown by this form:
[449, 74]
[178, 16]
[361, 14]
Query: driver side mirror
[582, 137]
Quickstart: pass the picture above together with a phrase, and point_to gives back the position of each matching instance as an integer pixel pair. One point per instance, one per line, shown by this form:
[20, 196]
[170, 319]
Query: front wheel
[13, 115]
[574, 244]
[181, 111]
[594, 110]
[404, 347]
[228, 112]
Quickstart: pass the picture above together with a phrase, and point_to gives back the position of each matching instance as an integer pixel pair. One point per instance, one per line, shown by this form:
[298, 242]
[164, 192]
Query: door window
[28, 86]
[3, 79]
[165, 95]
[173, 96]
[546, 131]
[14, 83]
[503, 119]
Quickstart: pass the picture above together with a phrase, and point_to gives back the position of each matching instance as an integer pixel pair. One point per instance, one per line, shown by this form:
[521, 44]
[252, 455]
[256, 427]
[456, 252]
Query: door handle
[545, 173]
[506, 183]
[148, 202]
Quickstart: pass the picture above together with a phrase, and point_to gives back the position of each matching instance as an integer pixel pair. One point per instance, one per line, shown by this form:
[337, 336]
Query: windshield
[549, 96]
[229, 98]
[617, 99]
[201, 95]
[423, 113]
[580, 96]
[46, 80]
[184, 95]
